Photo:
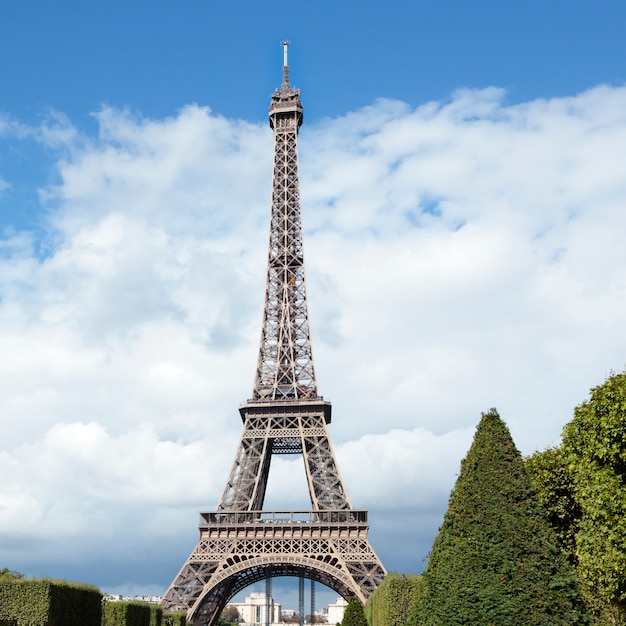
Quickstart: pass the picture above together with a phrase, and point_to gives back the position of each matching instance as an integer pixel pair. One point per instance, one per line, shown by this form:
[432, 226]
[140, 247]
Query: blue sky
[157, 56]
[154, 57]
[463, 184]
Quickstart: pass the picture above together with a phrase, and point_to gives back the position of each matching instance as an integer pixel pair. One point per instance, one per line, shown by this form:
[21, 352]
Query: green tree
[496, 559]
[594, 444]
[230, 614]
[553, 480]
[354, 615]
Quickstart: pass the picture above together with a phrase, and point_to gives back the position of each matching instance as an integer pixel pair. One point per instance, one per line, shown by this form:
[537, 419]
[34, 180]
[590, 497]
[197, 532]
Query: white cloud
[460, 255]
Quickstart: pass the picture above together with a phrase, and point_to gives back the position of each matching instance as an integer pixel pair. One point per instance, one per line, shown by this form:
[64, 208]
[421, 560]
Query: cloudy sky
[463, 178]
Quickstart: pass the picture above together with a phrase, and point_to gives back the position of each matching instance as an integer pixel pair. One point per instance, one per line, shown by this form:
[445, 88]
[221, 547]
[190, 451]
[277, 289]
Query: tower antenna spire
[285, 44]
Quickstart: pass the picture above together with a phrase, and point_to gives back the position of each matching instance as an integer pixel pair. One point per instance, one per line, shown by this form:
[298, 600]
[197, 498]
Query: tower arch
[212, 600]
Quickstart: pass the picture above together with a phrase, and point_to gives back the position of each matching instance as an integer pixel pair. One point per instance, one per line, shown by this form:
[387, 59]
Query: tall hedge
[156, 614]
[49, 603]
[126, 614]
[496, 558]
[175, 618]
[392, 602]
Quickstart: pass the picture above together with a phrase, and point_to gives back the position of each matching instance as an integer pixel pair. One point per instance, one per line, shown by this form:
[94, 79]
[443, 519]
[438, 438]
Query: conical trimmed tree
[495, 560]
[354, 615]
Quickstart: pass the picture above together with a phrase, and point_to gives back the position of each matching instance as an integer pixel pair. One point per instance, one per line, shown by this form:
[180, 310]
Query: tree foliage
[496, 559]
[553, 481]
[230, 614]
[354, 615]
[589, 512]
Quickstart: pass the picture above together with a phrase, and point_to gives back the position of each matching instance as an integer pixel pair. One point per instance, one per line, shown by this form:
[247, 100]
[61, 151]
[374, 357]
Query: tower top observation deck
[286, 99]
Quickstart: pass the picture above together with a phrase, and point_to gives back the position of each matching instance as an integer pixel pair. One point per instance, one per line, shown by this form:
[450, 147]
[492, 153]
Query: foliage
[595, 444]
[589, 512]
[354, 614]
[496, 559]
[553, 481]
[126, 614]
[174, 618]
[39, 602]
[8, 574]
[417, 611]
[156, 614]
[392, 602]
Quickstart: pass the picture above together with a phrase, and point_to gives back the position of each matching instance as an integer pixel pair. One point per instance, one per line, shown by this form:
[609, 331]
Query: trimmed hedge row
[59, 603]
[50, 603]
[127, 614]
[175, 619]
[140, 614]
[156, 614]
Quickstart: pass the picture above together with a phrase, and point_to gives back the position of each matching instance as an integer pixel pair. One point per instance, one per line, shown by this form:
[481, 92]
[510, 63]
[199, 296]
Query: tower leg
[268, 602]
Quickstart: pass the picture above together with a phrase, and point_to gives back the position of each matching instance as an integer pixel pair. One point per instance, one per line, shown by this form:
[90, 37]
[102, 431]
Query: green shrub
[49, 603]
[156, 614]
[391, 603]
[126, 614]
[178, 618]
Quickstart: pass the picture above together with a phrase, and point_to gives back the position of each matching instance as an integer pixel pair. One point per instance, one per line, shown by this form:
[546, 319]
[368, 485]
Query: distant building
[113, 597]
[253, 610]
[151, 599]
[116, 597]
[336, 611]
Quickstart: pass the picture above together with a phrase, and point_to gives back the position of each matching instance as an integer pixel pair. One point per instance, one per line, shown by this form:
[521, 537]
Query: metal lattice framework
[241, 543]
[285, 367]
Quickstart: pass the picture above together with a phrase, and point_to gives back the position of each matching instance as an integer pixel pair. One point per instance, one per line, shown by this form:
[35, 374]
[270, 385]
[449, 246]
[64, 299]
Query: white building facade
[336, 611]
[254, 609]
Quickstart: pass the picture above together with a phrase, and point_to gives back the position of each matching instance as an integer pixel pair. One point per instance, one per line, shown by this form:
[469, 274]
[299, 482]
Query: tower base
[237, 549]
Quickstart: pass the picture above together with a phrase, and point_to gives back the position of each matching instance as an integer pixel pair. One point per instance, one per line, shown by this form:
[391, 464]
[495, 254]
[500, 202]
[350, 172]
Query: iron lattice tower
[240, 543]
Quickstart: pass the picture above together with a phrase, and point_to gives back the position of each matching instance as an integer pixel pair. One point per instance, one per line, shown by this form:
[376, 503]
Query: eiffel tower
[241, 543]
